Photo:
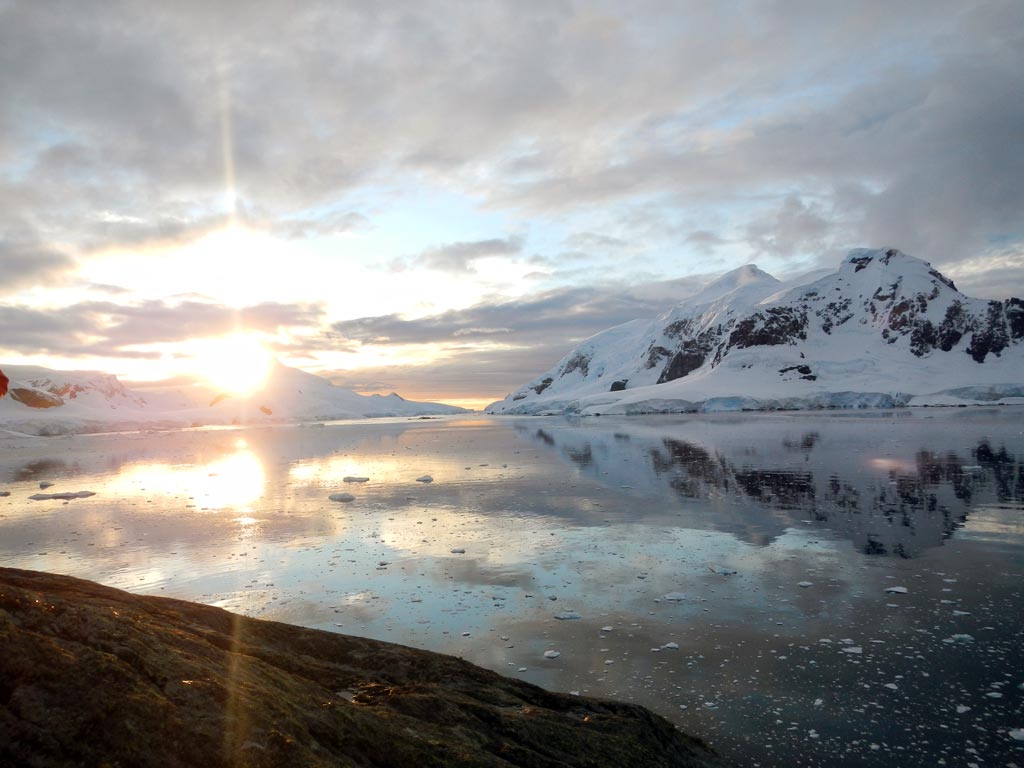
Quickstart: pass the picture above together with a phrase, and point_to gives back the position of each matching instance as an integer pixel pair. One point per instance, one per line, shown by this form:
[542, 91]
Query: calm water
[729, 572]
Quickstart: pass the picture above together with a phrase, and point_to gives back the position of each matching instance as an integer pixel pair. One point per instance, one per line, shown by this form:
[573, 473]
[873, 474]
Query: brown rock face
[94, 676]
[35, 398]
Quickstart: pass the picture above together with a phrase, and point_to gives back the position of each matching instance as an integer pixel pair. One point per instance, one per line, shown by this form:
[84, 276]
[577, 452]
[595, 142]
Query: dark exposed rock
[538, 388]
[655, 355]
[1014, 310]
[35, 398]
[618, 386]
[773, 326]
[682, 363]
[578, 362]
[861, 262]
[94, 676]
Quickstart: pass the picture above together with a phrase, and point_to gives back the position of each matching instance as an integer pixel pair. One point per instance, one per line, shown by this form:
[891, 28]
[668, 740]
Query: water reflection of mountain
[893, 487]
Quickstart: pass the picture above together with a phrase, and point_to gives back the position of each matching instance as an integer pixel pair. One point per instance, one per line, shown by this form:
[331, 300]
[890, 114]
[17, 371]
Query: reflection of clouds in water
[236, 481]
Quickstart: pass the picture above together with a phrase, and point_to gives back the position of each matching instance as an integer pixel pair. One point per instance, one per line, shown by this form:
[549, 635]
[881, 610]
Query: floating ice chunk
[607, 629]
[568, 616]
[551, 654]
[1017, 734]
[609, 661]
[805, 584]
[960, 709]
[45, 484]
[674, 597]
[341, 497]
[66, 496]
[852, 649]
[972, 468]
[465, 634]
[721, 571]
[671, 646]
[354, 479]
[896, 590]
[818, 702]
[458, 551]
[994, 695]
[521, 669]
[424, 479]
[960, 637]
[892, 686]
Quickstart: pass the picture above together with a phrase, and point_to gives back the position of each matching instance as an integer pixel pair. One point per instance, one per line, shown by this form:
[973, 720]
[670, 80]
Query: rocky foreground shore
[94, 676]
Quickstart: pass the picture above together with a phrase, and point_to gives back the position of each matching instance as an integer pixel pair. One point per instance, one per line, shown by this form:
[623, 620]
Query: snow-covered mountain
[884, 329]
[41, 401]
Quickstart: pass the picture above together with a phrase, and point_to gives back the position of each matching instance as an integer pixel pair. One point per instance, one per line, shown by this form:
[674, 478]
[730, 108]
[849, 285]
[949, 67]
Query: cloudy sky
[440, 198]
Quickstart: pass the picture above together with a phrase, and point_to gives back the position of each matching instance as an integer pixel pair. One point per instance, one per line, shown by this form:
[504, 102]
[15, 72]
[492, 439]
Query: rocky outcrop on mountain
[94, 676]
[884, 326]
[35, 398]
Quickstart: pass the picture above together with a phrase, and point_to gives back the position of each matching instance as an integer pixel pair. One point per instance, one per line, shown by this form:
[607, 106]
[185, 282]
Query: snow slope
[884, 329]
[47, 402]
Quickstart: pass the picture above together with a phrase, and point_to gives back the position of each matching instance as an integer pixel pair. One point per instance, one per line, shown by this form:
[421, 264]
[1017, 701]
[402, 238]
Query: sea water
[842, 588]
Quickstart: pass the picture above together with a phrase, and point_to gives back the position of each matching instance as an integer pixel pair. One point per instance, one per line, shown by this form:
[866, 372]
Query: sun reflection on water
[235, 481]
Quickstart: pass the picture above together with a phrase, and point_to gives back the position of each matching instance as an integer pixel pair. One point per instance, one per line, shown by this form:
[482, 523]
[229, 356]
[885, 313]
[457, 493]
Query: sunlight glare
[235, 481]
[235, 365]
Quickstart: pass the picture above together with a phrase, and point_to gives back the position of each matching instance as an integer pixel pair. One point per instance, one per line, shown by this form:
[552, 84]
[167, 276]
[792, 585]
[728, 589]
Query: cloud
[713, 132]
[459, 257]
[794, 228]
[108, 329]
[585, 240]
[28, 263]
[336, 223]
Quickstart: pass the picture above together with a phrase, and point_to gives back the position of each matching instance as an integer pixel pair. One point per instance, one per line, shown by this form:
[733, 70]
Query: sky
[442, 198]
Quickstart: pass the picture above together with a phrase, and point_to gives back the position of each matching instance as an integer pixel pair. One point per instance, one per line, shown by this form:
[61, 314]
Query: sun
[235, 365]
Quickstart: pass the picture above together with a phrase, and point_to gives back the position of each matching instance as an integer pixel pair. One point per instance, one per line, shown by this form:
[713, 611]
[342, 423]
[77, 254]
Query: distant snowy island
[41, 401]
[884, 330]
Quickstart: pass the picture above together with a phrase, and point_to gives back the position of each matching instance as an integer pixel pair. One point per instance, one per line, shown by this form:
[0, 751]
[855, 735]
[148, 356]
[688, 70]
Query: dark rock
[578, 362]
[94, 676]
[682, 363]
[655, 354]
[773, 326]
[618, 386]
[543, 385]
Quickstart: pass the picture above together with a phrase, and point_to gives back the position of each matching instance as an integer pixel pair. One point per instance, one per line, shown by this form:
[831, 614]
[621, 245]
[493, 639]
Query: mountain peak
[740, 280]
[874, 259]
